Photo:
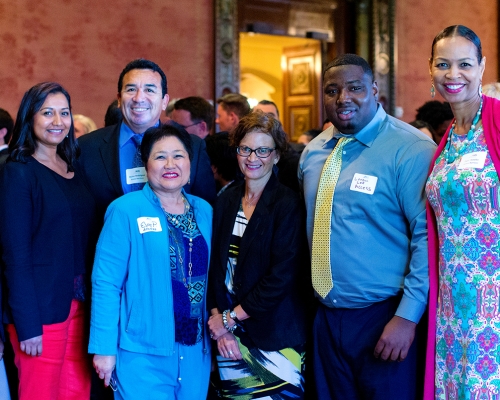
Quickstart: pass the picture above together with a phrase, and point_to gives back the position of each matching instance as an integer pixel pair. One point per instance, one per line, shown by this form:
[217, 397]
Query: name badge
[136, 175]
[364, 183]
[473, 160]
[149, 224]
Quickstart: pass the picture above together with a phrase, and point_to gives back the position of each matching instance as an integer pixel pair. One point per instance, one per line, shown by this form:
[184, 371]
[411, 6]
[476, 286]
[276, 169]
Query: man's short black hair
[199, 108]
[142, 63]
[222, 156]
[434, 113]
[113, 114]
[351, 59]
[6, 121]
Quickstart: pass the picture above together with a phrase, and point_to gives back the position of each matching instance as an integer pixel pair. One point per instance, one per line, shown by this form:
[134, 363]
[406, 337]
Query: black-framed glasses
[261, 152]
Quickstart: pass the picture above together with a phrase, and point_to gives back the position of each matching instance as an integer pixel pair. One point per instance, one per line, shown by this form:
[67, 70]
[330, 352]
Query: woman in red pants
[47, 238]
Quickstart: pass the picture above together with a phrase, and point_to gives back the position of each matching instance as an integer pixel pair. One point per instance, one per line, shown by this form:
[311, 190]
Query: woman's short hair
[87, 122]
[155, 134]
[259, 121]
[462, 31]
[23, 143]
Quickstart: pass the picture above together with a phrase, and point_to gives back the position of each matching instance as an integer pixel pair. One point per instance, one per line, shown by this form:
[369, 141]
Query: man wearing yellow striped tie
[363, 182]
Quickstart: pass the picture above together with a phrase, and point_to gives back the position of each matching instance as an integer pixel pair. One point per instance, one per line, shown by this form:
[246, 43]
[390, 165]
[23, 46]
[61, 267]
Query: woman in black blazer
[259, 271]
[47, 235]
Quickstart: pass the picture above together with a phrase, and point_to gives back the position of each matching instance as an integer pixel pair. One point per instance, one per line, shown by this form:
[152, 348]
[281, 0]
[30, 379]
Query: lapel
[227, 221]
[110, 155]
[260, 216]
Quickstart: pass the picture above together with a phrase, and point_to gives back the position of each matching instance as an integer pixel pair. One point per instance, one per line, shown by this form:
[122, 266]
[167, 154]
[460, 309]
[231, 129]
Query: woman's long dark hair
[23, 142]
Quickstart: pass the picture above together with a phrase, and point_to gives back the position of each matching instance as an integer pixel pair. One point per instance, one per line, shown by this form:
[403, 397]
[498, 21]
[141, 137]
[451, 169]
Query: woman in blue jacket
[148, 321]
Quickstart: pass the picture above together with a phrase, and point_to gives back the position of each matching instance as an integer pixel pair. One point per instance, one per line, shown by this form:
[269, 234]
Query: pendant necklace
[174, 222]
[450, 157]
[254, 200]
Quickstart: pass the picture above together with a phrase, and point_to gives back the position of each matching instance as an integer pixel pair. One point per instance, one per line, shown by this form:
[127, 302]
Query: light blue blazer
[132, 305]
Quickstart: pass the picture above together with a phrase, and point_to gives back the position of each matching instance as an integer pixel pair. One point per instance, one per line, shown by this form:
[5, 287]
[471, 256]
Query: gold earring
[433, 89]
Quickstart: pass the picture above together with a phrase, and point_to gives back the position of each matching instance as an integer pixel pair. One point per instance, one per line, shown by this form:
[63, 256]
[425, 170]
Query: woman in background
[83, 125]
[47, 235]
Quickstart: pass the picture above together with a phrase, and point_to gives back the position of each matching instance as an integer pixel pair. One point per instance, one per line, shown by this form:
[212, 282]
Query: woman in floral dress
[463, 352]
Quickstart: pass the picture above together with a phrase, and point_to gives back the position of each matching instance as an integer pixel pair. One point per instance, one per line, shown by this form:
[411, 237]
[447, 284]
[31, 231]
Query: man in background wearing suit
[108, 158]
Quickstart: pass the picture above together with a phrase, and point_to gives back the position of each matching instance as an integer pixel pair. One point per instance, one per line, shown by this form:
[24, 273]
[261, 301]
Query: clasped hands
[226, 341]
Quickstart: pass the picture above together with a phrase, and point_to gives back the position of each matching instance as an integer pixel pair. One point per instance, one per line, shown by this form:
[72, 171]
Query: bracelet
[226, 325]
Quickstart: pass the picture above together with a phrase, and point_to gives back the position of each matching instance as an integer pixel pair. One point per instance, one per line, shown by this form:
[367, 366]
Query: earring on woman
[433, 89]
[480, 88]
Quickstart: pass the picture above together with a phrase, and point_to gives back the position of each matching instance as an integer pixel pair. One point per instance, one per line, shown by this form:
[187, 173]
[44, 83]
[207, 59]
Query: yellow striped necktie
[321, 267]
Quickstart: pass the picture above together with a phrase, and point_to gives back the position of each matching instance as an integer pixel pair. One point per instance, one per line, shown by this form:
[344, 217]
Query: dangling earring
[480, 88]
[433, 89]
[189, 181]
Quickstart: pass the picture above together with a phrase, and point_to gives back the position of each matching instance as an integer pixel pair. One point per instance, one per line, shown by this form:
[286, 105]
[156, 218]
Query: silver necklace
[254, 200]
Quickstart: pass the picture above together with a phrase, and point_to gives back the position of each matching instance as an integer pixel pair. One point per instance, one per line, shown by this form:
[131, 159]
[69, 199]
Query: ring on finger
[230, 352]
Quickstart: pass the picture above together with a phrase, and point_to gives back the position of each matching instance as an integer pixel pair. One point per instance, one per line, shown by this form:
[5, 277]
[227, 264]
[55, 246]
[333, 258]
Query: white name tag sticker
[364, 183]
[136, 175]
[473, 160]
[149, 224]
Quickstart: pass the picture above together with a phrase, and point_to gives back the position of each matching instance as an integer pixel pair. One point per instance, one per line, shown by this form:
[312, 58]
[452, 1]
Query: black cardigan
[272, 277]
[38, 247]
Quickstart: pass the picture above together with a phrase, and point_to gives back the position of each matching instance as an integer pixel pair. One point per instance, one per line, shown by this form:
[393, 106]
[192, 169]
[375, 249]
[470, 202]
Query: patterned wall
[84, 45]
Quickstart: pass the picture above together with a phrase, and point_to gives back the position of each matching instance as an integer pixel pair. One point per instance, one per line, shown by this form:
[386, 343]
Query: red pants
[63, 370]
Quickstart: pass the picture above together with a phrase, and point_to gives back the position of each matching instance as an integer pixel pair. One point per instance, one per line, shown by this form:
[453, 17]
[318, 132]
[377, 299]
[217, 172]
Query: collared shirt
[378, 241]
[127, 153]
[223, 189]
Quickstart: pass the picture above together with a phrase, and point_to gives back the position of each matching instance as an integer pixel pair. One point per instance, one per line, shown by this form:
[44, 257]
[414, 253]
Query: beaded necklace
[173, 222]
[450, 157]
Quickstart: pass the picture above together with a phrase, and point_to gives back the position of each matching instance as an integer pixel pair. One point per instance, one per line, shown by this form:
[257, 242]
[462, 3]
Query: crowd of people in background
[151, 259]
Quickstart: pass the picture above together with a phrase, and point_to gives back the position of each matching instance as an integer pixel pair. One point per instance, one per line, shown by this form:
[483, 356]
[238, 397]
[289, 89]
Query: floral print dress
[465, 200]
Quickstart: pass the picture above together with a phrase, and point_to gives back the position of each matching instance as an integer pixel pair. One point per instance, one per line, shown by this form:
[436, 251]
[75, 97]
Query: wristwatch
[234, 316]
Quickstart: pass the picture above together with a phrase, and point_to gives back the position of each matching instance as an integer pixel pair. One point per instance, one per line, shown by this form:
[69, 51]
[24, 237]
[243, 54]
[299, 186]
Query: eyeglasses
[261, 152]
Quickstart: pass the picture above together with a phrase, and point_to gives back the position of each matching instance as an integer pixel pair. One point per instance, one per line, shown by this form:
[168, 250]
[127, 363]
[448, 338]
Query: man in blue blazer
[109, 158]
